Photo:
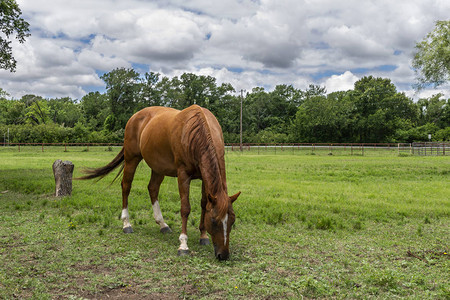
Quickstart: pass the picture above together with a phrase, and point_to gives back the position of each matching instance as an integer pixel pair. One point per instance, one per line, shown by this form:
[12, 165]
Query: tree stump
[63, 170]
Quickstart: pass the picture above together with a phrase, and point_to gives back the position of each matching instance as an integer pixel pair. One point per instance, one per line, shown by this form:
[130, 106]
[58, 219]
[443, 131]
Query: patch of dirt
[134, 293]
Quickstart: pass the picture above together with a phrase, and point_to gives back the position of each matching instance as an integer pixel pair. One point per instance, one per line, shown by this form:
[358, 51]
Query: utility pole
[240, 136]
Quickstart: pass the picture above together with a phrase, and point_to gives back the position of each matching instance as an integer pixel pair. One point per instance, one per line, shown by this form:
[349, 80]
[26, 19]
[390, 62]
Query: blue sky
[242, 42]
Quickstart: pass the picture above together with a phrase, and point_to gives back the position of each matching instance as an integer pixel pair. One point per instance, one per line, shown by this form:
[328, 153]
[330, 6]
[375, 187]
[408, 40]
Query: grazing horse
[186, 144]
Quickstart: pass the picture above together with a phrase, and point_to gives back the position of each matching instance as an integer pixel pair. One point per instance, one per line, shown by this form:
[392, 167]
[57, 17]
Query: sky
[248, 43]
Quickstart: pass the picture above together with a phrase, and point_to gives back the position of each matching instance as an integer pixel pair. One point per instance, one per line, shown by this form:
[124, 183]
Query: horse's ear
[234, 197]
[212, 199]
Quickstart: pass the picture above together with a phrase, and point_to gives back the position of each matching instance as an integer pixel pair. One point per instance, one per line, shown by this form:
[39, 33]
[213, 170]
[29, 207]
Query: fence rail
[42, 146]
[431, 148]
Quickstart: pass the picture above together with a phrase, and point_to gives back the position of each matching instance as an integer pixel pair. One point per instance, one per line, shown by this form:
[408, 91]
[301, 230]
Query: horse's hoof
[204, 241]
[166, 230]
[183, 252]
[128, 229]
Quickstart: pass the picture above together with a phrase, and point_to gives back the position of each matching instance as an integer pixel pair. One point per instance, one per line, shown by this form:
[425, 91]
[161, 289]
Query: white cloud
[247, 43]
[341, 82]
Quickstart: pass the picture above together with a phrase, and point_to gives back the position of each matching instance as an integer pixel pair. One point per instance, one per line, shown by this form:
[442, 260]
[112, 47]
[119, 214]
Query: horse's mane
[197, 137]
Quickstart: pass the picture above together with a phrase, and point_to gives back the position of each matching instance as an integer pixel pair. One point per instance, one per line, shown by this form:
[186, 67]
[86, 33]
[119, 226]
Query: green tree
[434, 110]
[95, 109]
[11, 24]
[432, 58]
[64, 111]
[323, 119]
[123, 90]
[37, 110]
[192, 89]
[377, 108]
[12, 112]
[256, 111]
[150, 93]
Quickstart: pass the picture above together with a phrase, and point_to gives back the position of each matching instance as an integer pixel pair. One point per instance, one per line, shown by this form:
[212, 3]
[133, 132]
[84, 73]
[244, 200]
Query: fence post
[42, 147]
[19, 147]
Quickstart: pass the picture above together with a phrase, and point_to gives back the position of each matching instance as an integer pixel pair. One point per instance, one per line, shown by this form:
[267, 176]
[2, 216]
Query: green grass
[311, 226]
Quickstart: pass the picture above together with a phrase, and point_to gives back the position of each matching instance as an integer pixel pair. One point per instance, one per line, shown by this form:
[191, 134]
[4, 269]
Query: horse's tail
[103, 171]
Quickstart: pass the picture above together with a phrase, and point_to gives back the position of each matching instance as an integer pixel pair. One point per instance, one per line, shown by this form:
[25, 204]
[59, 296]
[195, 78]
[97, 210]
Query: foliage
[432, 58]
[123, 90]
[10, 24]
[371, 112]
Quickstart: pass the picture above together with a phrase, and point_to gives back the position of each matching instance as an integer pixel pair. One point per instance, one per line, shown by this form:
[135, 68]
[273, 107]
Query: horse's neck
[213, 177]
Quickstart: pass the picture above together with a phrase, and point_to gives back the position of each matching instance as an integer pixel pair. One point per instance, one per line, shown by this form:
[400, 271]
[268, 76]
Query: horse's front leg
[184, 181]
[204, 240]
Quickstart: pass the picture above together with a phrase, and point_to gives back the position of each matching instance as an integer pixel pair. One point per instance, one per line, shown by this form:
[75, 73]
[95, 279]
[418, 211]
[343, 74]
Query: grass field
[308, 226]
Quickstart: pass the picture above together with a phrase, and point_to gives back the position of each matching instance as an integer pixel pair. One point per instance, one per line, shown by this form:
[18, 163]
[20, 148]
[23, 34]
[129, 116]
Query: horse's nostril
[222, 256]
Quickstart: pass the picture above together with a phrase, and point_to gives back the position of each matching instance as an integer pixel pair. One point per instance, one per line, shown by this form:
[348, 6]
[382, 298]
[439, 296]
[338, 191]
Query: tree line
[372, 112]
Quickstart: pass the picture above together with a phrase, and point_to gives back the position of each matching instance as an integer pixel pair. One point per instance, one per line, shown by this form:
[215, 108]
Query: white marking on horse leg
[183, 242]
[125, 218]
[225, 227]
[158, 216]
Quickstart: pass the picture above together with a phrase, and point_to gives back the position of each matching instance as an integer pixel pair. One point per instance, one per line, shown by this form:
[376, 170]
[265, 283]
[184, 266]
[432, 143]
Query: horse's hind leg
[153, 189]
[129, 169]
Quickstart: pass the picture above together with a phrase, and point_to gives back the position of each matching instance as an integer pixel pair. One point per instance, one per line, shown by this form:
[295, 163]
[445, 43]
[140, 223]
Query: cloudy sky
[247, 43]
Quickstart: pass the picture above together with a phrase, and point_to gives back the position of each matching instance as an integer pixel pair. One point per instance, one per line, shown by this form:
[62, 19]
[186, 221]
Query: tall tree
[378, 109]
[435, 109]
[95, 109]
[150, 94]
[323, 119]
[123, 90]
[37, 111]
[11, 24]
[432, 58]
[64, 111]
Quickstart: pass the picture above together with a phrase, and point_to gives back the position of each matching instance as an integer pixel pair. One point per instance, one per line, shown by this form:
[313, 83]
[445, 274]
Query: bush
[442, 135]
[53, 133]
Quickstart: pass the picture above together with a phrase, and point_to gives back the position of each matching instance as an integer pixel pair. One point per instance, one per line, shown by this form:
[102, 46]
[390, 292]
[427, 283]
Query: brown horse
[187, 144]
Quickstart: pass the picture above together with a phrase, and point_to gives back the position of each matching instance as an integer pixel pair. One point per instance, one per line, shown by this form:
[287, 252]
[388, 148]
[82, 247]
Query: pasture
[308, 226]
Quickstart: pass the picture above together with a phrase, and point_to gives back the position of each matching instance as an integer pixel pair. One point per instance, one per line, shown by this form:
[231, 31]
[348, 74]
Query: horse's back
[156, 134]
[136, 125]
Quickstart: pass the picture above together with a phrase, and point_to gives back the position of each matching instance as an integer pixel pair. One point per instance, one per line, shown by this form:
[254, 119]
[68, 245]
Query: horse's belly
[161, 164]
[156, 148]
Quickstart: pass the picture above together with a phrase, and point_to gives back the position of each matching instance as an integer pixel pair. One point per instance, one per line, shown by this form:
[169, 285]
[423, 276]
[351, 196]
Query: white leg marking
[225, 226]
[157, 215]
[125, 218]
[183, 240]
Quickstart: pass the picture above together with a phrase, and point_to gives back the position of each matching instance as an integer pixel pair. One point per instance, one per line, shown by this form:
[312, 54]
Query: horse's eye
[213, 221]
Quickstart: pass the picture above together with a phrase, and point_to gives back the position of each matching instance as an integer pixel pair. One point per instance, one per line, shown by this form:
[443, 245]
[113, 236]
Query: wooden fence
[435, 149]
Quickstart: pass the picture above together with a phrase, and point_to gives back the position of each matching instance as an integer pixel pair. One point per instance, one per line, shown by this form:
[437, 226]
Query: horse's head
[219, 219]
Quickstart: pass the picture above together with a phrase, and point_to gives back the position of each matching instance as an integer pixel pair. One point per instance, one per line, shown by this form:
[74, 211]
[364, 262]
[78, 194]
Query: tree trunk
[63, 170]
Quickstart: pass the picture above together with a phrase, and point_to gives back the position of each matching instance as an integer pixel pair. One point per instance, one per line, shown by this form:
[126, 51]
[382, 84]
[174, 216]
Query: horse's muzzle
[222, 254]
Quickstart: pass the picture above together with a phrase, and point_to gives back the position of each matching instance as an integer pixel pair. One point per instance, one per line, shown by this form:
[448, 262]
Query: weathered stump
[63, 170]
